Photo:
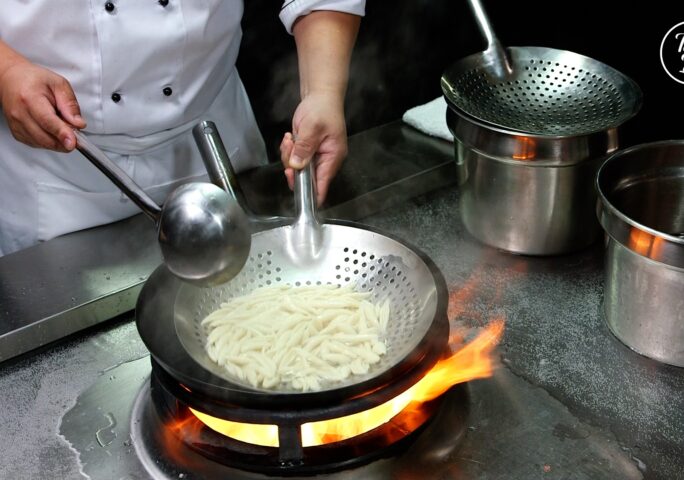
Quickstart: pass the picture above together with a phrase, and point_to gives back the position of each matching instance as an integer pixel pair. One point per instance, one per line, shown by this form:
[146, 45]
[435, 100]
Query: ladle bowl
[203, 234]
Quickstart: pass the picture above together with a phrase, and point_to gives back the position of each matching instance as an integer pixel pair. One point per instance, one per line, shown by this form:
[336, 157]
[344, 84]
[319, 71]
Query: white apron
[144, 73]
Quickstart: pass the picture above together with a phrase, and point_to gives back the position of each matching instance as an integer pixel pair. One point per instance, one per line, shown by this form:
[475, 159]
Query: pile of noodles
[297, 337]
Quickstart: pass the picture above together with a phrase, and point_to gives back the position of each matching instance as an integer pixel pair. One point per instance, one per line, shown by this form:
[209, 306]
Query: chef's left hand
[320, 131]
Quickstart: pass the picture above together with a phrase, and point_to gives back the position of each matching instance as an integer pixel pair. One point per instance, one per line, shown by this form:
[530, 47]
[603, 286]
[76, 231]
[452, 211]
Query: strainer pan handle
[306, 227]
[495, 51]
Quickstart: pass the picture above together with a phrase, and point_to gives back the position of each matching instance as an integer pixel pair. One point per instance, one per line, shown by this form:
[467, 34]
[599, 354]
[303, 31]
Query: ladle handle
[495, 50]
[217, 161]
[221, 173]
[125, 183]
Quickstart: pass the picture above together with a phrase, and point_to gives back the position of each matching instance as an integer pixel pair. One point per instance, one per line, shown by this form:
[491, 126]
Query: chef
[136, 76]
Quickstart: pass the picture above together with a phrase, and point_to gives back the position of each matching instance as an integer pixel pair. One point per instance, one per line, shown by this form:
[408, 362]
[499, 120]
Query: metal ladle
[203, 234]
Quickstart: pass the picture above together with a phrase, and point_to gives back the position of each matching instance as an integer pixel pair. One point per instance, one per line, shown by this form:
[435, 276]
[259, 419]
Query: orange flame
[172, 436]
[472, 361]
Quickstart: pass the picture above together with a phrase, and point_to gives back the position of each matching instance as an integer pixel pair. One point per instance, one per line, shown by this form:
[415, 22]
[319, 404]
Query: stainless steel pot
[531, 126]
[641, 208]
[528, 194]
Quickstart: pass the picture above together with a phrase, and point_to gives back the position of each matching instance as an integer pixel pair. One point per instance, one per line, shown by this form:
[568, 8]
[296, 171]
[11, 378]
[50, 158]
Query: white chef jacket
[144, 73]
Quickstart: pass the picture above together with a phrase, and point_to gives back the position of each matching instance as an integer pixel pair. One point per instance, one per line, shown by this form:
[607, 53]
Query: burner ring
[212, 454]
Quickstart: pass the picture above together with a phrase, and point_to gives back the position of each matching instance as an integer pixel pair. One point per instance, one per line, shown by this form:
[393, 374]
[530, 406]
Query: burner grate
[388, 440]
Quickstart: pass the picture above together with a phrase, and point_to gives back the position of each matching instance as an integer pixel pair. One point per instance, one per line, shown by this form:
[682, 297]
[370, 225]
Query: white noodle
[297, 337]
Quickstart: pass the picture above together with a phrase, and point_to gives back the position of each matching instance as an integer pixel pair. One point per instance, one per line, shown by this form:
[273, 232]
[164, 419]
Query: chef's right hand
[40, 107]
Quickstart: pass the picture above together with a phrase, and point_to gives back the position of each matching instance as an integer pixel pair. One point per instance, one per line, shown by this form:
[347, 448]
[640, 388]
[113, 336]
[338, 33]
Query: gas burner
[171, 441]
[278, 445]
[140, 415]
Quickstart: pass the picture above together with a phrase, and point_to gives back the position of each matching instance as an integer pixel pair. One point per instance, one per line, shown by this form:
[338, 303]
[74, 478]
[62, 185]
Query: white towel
[430, 118]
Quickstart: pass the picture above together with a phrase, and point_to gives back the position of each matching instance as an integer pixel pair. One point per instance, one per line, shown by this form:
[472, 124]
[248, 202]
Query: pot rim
[619, 225]
[521, 133]
[551, 151]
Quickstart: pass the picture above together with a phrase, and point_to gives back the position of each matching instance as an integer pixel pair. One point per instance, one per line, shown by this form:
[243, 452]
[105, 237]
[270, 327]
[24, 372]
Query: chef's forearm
[325, 40]
[8, 58]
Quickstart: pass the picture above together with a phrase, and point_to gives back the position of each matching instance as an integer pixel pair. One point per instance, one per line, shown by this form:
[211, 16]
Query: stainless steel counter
[568, 401]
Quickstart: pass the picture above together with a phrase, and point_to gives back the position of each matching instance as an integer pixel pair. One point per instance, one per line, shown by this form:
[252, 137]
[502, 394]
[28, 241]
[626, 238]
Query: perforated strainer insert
[368, 261]
[548, 92]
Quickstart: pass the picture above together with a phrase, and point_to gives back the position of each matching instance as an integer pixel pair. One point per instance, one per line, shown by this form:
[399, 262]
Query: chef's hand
[320, 132]
[40, 106]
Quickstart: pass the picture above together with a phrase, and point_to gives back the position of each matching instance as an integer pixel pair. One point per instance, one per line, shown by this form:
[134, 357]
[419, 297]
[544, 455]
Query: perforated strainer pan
[538, 90]
[339, 253]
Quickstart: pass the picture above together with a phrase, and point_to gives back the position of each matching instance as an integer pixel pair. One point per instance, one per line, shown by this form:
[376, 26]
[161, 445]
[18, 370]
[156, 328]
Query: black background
[405, 45]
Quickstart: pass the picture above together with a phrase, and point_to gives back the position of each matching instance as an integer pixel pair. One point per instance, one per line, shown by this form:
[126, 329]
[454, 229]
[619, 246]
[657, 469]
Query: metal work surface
[556, 336]
[569, 401]
[76, 281]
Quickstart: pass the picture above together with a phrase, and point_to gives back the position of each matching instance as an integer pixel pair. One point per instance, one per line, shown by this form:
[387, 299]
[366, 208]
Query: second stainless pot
[641, 208]
[528, 194]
